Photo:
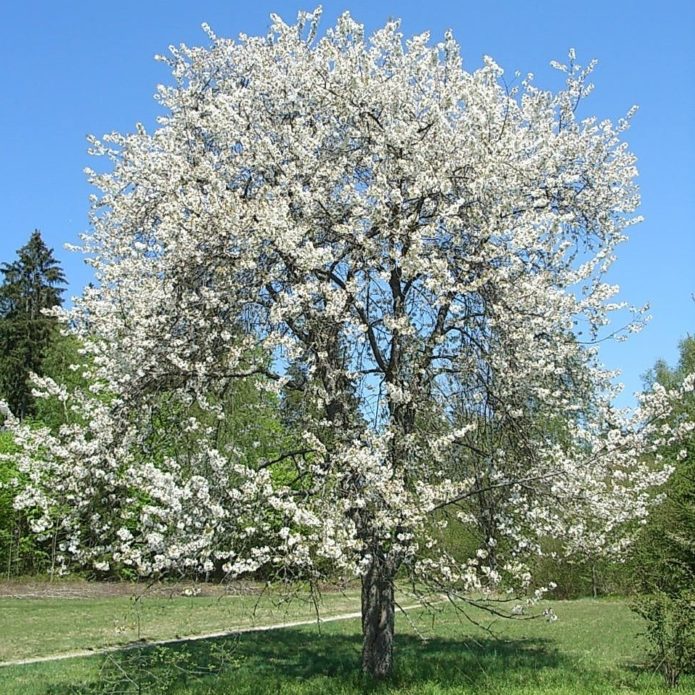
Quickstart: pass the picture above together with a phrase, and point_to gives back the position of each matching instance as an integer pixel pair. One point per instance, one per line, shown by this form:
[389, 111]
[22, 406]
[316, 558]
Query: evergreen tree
[31, 283]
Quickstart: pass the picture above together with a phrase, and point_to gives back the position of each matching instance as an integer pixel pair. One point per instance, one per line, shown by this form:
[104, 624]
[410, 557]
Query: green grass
[50, 626]
[592, 648]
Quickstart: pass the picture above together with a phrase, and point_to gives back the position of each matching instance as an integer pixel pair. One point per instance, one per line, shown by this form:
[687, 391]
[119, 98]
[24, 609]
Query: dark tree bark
[378, 619]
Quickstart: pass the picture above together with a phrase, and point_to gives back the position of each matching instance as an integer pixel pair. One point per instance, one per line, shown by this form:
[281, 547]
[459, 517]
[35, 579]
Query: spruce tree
[33, 282]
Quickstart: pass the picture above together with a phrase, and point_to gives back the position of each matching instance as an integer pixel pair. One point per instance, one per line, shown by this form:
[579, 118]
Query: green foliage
[664, 555]
[62, 362]
[670, 630]
[20, 551]
[586, 577]
[7, 513]
[31, 284]
[160, 670]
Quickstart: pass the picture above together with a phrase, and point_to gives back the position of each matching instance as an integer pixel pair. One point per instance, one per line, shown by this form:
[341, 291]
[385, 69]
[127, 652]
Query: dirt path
[191, 638]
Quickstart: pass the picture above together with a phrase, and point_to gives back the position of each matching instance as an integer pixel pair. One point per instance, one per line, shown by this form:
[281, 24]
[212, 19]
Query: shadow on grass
[301, 661]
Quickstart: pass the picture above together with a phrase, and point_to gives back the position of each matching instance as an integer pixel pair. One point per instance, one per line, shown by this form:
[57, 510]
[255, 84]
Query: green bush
[670, 631]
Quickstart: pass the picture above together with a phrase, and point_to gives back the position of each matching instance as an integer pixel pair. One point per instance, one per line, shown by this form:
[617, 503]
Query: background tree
[670, 534]
[417, 242]
[663, 559]
[32, 283]
[30, 342]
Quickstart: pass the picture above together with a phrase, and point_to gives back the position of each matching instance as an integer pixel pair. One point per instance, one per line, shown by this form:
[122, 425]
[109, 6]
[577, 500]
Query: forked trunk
[378, 614]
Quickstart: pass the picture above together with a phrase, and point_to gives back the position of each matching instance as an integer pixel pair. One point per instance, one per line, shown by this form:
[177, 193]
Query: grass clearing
[50, 626]
[592, 648]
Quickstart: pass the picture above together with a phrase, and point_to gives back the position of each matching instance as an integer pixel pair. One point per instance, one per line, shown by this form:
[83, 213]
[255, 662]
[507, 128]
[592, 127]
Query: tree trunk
[378, 612]
[594, 580]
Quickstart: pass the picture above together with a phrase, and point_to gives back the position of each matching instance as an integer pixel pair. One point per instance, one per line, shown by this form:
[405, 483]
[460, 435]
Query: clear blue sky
[74, 68]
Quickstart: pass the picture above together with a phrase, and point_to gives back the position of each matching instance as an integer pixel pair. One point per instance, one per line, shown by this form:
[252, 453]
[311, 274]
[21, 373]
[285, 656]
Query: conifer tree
[31, 283]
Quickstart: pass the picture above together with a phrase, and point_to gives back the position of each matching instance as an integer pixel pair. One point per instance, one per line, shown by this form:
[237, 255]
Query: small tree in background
[664, 555]
[418, 244]
[31, 284]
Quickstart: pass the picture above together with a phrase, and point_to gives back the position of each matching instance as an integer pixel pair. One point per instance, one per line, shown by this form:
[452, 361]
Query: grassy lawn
[50, 626]
[592, 648]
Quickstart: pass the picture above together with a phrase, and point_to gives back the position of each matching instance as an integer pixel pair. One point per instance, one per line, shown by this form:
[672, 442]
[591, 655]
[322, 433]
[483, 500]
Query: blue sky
[74, 68]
